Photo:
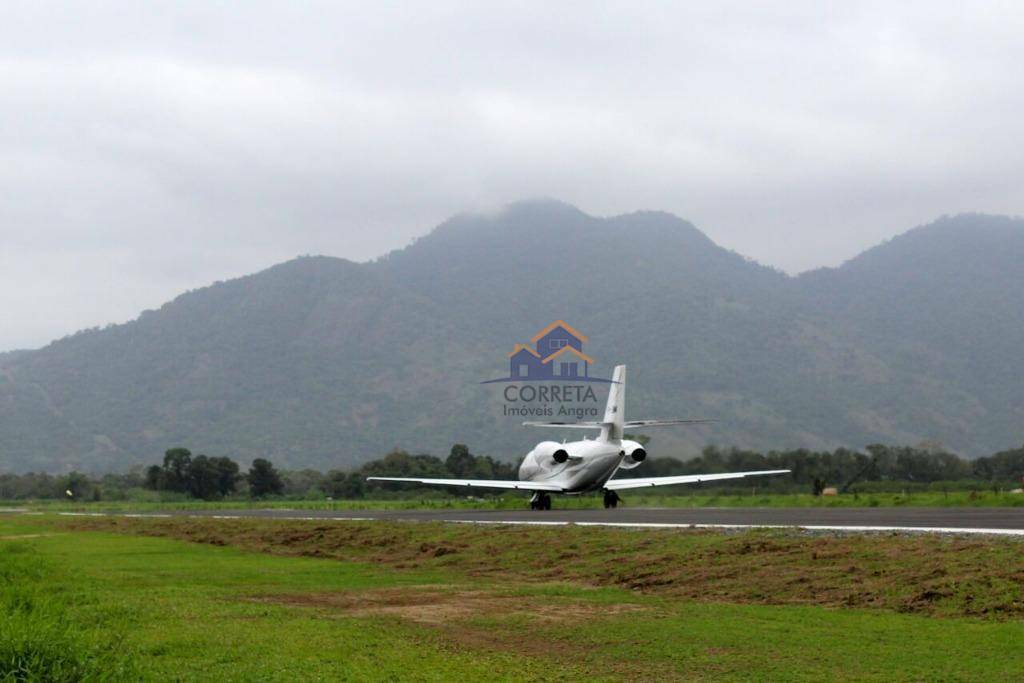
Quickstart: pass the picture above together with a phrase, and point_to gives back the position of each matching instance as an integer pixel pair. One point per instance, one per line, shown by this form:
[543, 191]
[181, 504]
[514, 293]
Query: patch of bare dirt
[437, 606]
[449, 614]
[19, 537]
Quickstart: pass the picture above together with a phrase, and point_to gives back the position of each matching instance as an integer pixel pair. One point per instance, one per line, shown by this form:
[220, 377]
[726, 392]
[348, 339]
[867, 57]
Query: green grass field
[124, 599]
[751, 499]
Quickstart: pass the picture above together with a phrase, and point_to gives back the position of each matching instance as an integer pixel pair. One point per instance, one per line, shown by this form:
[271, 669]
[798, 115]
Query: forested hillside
[326, 363]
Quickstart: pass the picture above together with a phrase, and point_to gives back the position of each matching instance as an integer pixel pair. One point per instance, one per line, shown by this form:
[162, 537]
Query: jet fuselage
[585, 466]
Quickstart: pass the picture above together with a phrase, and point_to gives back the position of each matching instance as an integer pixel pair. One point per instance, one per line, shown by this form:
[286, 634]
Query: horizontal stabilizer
[629, 424]
[476, 483]
[620, 484]
[565, 425]
[664, 423]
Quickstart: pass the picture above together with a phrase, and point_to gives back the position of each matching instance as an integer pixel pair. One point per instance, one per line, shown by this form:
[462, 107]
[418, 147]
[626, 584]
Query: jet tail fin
[613, 424]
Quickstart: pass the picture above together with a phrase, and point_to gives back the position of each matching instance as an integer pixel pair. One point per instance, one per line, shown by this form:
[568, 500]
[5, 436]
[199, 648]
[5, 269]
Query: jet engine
[551, 451]
[634, 456]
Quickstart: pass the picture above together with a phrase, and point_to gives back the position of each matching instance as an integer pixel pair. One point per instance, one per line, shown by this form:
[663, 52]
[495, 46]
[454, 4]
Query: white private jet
[588, 465]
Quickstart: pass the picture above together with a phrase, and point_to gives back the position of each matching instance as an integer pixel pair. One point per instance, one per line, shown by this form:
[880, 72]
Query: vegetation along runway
[196, 598]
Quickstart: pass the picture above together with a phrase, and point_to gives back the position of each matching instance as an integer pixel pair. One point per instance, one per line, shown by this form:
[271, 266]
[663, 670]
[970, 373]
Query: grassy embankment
[516, 502]
[275, 600]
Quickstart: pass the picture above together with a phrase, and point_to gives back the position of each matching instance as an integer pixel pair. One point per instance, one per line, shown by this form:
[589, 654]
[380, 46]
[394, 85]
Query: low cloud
[146, 151]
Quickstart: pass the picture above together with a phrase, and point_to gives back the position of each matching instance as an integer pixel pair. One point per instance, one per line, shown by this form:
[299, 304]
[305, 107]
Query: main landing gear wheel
[611, 499]
[540, 501]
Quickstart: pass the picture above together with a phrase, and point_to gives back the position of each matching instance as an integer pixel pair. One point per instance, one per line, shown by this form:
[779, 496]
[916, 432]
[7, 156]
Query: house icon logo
[555, 354]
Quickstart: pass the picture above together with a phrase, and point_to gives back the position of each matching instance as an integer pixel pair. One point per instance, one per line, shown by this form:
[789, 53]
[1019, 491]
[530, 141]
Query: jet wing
[620, 484]
[476, 483]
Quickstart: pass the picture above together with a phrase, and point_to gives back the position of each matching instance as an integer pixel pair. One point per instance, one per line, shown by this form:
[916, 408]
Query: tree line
[181, 473]
[210, 478]
[844, 468]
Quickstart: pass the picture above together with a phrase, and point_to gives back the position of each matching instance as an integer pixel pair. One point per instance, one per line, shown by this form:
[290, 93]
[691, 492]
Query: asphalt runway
[950, 520]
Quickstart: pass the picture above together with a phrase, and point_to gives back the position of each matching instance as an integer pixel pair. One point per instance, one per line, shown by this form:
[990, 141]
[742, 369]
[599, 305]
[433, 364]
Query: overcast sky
[149, 148]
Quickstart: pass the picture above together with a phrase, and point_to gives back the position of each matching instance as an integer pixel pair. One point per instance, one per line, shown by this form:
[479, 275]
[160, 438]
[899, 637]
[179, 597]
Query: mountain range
[325, 362]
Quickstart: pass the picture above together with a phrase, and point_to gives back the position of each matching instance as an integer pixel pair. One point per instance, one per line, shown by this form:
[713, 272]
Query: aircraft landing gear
[611, 499]
[540, 501]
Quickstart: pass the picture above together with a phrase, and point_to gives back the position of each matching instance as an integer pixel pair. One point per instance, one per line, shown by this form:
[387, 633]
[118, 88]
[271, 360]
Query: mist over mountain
[325, 362]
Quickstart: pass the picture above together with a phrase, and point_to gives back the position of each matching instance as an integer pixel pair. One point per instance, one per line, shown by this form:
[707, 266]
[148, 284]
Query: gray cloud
[150, 148]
